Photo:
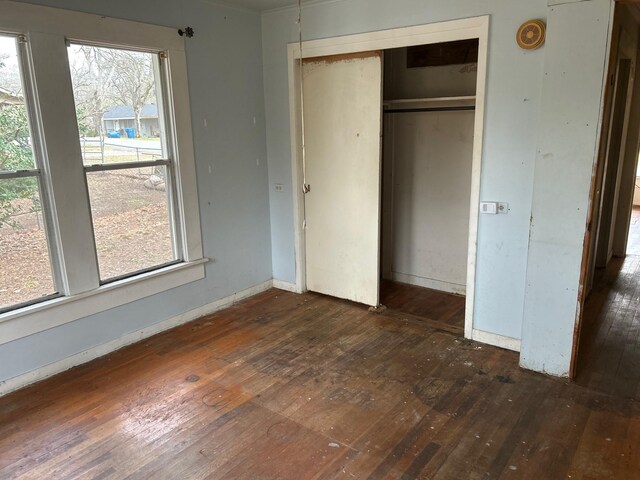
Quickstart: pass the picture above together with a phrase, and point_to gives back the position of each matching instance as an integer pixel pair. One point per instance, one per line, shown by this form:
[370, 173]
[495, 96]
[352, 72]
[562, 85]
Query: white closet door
[342, 112]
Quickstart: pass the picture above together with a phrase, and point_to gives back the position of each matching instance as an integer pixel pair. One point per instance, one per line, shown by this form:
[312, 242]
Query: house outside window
[120, 121]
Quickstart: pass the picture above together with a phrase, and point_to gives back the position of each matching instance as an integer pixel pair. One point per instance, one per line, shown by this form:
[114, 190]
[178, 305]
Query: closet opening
[427, 158]
[386, 147]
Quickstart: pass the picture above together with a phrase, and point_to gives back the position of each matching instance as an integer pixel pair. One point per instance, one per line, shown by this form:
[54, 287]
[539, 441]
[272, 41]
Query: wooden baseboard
[287, 286]
[428, 283]
[496, 340]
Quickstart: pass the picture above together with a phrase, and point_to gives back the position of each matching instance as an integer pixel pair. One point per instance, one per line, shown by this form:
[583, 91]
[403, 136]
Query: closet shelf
[439, 102]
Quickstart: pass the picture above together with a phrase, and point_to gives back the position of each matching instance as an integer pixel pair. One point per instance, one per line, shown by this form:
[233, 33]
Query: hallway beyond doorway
[610, 347]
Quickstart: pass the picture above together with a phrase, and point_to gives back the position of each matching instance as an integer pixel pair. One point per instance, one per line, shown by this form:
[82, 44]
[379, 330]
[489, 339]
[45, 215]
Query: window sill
[42, 316]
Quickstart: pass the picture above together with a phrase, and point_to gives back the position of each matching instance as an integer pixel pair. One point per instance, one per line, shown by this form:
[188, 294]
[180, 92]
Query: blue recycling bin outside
[131, 132]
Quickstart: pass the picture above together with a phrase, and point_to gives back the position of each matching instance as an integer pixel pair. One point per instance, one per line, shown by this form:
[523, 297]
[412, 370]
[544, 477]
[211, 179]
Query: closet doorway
[428, 125]
[344, 236]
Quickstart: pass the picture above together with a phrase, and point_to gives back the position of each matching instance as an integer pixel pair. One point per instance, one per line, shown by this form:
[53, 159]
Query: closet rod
[428, 109]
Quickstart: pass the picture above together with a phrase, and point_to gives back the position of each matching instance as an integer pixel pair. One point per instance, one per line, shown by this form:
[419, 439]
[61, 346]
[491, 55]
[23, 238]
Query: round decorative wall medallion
[531, 34]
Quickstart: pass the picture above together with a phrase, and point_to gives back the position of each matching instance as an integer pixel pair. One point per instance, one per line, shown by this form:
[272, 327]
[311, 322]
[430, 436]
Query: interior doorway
[427, 157]
[607, 343]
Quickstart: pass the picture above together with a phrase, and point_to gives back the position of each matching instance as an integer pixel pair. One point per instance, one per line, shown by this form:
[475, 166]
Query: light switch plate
[488, 208]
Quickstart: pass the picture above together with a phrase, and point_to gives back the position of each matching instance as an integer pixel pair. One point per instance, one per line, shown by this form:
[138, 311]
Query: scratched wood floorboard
[286, 386]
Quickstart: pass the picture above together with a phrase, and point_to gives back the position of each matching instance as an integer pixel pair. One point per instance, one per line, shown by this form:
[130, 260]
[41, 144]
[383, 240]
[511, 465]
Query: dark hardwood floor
[437, 309]
[285, 386]
[609, 355]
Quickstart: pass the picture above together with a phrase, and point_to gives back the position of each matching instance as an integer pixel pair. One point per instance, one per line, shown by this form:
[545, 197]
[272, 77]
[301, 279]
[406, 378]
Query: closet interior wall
[428, 124]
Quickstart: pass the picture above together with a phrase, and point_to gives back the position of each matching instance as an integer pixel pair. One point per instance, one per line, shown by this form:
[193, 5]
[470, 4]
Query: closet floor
[437, 309]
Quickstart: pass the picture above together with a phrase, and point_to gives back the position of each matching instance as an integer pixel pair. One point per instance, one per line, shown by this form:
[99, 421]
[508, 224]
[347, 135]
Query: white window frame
[162, 79]
[46, 32]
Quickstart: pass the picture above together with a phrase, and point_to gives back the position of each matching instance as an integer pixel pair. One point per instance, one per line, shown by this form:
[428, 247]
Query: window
[129, 174]
[97, 175]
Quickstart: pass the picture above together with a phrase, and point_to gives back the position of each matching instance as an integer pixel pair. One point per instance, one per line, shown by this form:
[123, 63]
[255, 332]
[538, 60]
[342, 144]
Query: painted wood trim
[184, 152]
[476, 170]
[53, 313]
[553, 3]
[462, 101]
[286, 286]
[508, 343]
[342, 57]
[64, 177]
[18, 17]
[431, 283]
[28, 378]
[438, 32]
[588, 252]
[295, 128]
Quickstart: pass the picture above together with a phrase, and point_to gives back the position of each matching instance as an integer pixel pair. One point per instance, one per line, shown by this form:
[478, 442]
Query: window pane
[25, 268]
[131, 220]
[15, 139]
[117, 104]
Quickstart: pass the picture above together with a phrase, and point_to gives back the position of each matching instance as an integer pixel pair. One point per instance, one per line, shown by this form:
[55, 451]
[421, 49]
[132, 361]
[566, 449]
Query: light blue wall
[569, 119]
[225, 81]
[511, 128]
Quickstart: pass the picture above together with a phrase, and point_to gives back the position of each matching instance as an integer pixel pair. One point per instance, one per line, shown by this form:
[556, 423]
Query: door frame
[463, 29]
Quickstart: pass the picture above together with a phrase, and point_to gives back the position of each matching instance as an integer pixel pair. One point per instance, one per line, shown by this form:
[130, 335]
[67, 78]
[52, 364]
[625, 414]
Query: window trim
[50, 313]
[49, 29]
